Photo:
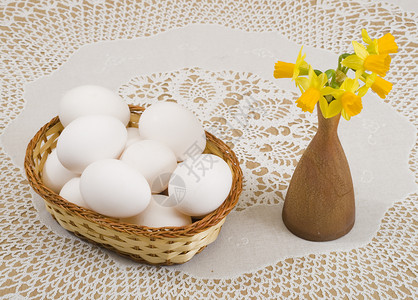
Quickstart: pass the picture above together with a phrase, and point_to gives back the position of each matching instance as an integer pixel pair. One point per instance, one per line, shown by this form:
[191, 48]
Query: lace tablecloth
[216, 58]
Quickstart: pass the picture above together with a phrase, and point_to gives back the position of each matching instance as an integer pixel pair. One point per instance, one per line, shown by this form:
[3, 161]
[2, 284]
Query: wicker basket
[164, 246]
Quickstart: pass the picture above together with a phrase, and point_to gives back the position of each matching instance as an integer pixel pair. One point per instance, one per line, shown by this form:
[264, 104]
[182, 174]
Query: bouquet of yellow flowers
[335, 91]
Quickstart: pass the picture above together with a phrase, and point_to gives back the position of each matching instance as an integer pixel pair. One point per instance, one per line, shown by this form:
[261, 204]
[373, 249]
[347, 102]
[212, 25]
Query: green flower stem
[341, 73]
[340, 59]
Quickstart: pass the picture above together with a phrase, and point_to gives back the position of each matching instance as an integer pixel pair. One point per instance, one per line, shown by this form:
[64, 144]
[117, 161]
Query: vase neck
[329, 126]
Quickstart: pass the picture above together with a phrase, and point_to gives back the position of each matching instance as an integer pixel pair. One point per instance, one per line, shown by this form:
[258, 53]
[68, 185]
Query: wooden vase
[319, 205]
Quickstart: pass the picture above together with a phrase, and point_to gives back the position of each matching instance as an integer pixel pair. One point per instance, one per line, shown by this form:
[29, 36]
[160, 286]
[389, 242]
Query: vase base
[309, 236]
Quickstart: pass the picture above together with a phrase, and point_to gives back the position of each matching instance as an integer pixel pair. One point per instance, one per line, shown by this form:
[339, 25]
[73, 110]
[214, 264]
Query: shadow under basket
[163, 246]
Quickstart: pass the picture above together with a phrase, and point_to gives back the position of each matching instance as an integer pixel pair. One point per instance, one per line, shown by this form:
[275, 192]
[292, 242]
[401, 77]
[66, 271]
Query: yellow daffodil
[378, 85]
[283, 69]
[330, 109]
[350, 102]
[301, 66]
[387, 44]
[289, 70]
[362, 61]
[351, 105]
[384, 45]
[313, 90]
[333, 91]
[381, 87]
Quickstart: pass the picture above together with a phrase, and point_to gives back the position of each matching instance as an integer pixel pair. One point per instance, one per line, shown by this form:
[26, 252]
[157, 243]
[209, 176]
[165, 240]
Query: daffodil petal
[328, 91]
[378, 64]
[350, 85]
[359, 72]
[302, 82]
[283, 70]
[304, 68]
[351, 103]
[308, 99]
[300, 54]
[330, 110]
[322, 79]
[381, 87]
[363, 90]
[354, 85]
[323, 105]
[360, 50]
[345, 85]
[345, 115]
[386, 44]
[353, 62]
[312, 74]
[334, 108]
[366, 37]
[370, 79]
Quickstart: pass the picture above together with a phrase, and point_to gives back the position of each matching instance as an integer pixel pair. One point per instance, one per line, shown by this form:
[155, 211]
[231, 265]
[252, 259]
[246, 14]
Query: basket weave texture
[165, 246]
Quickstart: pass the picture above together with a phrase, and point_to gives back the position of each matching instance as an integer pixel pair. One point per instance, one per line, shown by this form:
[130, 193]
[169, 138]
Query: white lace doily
[222, 73]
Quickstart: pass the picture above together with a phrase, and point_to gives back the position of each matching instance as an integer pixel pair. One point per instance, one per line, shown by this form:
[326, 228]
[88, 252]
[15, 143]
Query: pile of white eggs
[155, 175]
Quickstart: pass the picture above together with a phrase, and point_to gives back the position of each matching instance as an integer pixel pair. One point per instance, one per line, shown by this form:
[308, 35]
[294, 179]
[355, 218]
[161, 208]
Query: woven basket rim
[164, 232]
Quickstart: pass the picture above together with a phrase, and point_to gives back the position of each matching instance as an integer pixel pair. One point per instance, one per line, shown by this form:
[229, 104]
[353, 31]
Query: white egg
[89, 139]
[133, 136]
[157, 215]
[54, 174]
[154, 160]
[115, 189]
[175, 126]
[92, 100]
[200, 184]
[71, 192]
